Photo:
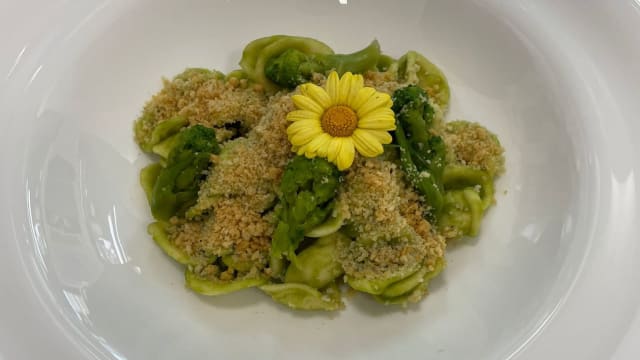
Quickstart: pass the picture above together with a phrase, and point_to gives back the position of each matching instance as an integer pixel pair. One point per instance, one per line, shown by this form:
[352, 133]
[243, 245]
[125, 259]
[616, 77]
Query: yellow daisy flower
[343, 117]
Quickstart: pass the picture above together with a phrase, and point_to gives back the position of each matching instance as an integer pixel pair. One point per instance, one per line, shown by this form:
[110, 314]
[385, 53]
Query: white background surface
[554, 274]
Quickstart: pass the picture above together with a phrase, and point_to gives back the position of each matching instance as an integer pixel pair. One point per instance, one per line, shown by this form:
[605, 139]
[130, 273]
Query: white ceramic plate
[555, 273]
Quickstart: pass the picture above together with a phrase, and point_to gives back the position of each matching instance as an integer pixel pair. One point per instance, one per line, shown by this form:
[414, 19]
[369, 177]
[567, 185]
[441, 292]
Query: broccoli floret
[177, 184]
[422, 154]
[306, 198]
[293, 67]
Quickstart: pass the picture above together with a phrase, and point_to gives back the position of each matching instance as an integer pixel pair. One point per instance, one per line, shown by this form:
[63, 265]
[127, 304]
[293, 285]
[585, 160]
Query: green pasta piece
[330, 226]
[252, 51]
[163, 148]
[191, 72]
[293, 67]
[238, 74]
[378, 286]
[304, 297]
[460, 177]
[211, 288]
[164, 130]
[384, 62]
[463, 211]
[230, 261]
[257, 54]
[405, 285]
[148, 176]
[317, 265]
[158, 232]
[414, 68]
[417, 292]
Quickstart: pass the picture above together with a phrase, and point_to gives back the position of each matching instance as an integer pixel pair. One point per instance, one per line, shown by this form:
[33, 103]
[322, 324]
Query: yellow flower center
[339, 121]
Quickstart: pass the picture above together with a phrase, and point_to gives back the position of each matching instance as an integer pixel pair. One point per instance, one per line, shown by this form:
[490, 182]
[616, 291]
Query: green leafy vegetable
[293, 67]
[422, 155]
[306, 197]
[176, 187]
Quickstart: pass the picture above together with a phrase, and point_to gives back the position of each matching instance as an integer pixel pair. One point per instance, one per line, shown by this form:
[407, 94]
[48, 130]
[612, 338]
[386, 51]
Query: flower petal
[298, 115]
[356, 84]
[318, 146]
[334, 149]
[316, 93]
[382, 136]
[362, 97]
[376, 101]
[303, 136]
[301, 125]
[332, 86]
[346, 155]
[344, 88]
[366, 144]
[379, 119]
[306, 103]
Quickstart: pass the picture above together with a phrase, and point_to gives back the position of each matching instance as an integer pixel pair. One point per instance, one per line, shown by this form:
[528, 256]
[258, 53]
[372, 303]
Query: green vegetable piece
[378, 286]
[416, 69]
[304, 297]
[158, 232]
[317, 265]
[306, 199]
[422, 155]
[463, 210]
[330, 226]
[176, 188]
[211, 288]
[165, 129]
[148, 176]
[460, 177]
[257, 53]
[293, 67]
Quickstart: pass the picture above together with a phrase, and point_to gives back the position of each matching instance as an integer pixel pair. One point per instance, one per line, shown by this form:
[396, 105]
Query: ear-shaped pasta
[160, 130]
[213, 288]
[258, 52]
[378, 286]
[304, 297]
[456, 177]
[414, 68]
[148, 176]
[412, 288]
[158, 232]
[317, 265]
[468, 193]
